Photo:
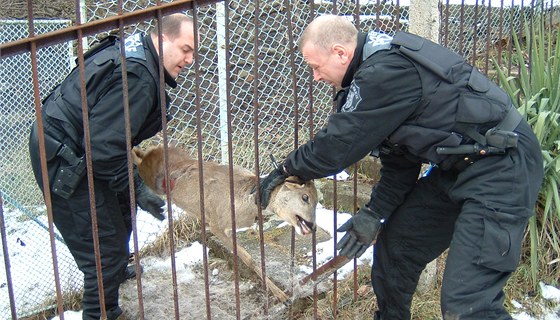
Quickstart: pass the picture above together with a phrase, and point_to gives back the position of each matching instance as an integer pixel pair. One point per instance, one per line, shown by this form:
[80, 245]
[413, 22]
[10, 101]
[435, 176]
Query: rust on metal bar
[95, 27]
[198, 108]
[7, 264]
[325, 270]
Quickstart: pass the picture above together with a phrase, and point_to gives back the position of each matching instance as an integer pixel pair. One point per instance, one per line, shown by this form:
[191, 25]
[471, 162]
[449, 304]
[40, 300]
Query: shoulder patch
[375, 41]
[352, 99]
[133, 47]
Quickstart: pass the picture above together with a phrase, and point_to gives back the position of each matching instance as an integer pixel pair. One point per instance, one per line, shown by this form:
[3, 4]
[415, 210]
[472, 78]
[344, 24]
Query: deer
[294, 201]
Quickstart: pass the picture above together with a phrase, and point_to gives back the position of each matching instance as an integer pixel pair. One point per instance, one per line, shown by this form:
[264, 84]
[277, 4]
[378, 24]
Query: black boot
[130, 272]
[114, 313]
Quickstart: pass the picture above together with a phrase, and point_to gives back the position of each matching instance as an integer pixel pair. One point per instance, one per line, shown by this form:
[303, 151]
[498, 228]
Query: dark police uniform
[414, 102]
[62, 120]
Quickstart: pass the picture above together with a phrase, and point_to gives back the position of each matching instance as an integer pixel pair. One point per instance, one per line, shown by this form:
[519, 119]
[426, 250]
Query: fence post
[424, 18]
[222, 81]
[424, 21]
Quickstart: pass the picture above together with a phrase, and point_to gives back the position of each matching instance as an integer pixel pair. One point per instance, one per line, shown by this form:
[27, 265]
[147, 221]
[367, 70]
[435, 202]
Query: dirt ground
[158, 302]
[157, 285]
[157, 289]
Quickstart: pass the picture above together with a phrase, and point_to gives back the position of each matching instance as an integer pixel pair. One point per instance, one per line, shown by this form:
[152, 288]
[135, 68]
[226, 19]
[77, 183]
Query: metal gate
[291, 107]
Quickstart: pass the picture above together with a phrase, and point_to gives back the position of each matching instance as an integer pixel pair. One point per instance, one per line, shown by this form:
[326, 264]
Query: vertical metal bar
[48, 201]
[131, 190]
[377, 15]
[256, 83]
[446, 33]
[310, 104]
[289, 24]
[335, 286]
[87, 149]
[397, 14]
[488, 36]
[475, 34]
[355, 208]
[462, 28]
[501, 34]
[290, 31]
[357, 14]
[335, 240]
[530, 49]
[230, 163]
[196, 65]
[42, 156]
[9, 268]
[521, 32]
[355, 291]
[511, 32]
[163, 105]
[335, 275]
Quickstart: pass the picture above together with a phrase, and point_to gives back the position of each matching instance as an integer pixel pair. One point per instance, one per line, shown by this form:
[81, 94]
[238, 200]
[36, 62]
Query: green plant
[535, 91]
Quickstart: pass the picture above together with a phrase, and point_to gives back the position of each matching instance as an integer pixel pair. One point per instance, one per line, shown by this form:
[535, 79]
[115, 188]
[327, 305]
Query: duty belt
[494, 142]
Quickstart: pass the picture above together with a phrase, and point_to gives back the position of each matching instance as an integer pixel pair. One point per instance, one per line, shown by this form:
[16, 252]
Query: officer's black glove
[146, 199]
[361, 231]
[275, 178]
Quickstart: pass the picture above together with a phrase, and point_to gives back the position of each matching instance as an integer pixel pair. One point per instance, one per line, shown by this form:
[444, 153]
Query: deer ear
[137, 155]
[294, 182]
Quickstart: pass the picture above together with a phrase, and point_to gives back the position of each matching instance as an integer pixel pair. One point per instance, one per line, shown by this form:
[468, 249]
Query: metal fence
[25, 216]
[275, 73]
[291, 107]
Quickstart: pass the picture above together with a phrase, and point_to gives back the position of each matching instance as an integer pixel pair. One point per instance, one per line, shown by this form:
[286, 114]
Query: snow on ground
[30, 280]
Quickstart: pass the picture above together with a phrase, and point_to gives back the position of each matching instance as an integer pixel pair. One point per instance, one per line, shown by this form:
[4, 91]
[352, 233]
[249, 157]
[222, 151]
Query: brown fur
[294, 200]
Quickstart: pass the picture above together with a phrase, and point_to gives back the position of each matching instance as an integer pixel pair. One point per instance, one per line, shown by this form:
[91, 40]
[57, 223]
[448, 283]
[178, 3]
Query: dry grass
[425, 306]
[186, 230]
[71, 301]
[348, 305]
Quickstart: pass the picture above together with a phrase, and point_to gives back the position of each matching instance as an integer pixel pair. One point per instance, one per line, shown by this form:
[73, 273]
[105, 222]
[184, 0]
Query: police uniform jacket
[396, 105]
[62, 110]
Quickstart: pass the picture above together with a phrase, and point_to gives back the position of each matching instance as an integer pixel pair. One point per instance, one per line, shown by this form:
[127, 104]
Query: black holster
[71, 170]
[68, 177]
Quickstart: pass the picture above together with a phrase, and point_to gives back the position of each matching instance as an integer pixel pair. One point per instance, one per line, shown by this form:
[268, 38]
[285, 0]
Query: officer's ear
[342, 52]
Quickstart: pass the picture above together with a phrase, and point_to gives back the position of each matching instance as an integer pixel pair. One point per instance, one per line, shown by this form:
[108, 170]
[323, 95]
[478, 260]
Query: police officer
[415, 102]
[63, 128]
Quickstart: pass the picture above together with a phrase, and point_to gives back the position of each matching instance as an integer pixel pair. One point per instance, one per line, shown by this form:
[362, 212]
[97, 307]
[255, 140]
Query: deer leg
[248, 260]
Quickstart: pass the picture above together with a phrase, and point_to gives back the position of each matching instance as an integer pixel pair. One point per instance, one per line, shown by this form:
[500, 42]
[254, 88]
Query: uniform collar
[152, 49]
[356, 60]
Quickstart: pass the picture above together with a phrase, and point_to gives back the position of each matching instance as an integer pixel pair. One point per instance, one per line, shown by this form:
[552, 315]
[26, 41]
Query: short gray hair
[326, 30]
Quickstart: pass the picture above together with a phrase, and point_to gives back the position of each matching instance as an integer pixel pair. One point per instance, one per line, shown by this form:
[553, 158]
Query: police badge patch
[352, 99]
[133, 47]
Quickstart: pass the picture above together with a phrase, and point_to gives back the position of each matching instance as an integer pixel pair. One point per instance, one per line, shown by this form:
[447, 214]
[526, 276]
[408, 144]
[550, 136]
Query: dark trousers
[72, 218]
[480, 214]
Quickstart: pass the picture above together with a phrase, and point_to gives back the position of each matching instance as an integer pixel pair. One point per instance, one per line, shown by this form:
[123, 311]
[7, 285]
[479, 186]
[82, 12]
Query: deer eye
[305, 198]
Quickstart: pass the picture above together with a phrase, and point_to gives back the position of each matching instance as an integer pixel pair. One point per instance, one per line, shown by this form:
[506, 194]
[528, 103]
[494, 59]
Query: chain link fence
[291, 107]
[276, 80]
[25, 215]
[484, 31]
